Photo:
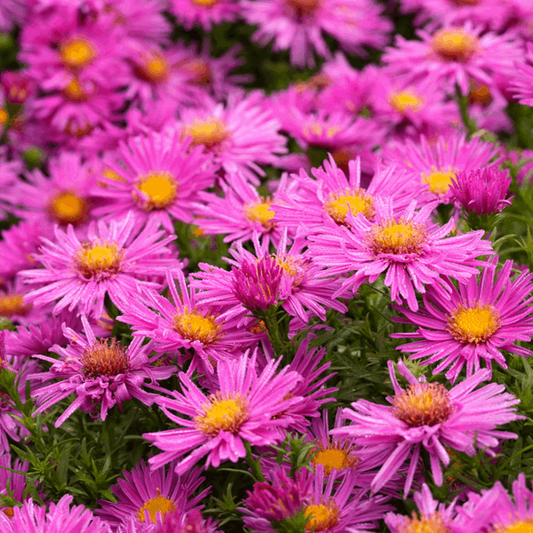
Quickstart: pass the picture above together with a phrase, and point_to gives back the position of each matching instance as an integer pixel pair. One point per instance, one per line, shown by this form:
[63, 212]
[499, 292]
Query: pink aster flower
[430, 416]
[100, 372]
[330, 195]
[12, 480]
[115, 260]
[241, 135]
[62, 517]
[454, 54]
[146, 495]
[481, 191]
[242, 212]
[434, 164]
[496, 510]
[184, 324]
[245, 408]
[431, 516]
[474, 322]
[299, 25]
[157, 179]
[63, 198]
[192, 521]
[204, 13]
[410, 249]
[522, 77]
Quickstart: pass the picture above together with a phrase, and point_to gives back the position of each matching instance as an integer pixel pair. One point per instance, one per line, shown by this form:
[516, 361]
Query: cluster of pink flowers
[151, 150]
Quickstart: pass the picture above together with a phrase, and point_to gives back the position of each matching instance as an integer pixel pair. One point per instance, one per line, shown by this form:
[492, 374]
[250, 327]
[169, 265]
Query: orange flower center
[423, 404]
[154, 68]
[68, 208]
[159, 190]
[105, 358]
[334, 456]
[455, 45]
[303, 8]
[159, 504]
[77, 53]
[321, 517]
[12, 304]
[211, 132]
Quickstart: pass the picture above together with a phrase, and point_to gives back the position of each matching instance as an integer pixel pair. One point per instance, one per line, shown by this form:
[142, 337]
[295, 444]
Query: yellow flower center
[401, 237]
[68, 208]
[321, 517]
[473, 325]
[423, 404]
[455, 44]
[222, 413]
[260, 212]
[426, 524]
[73, 91]
[303, 8]
[525, 526]
[353, 200]
[211, 132]
[105, 358]
[333, 456]
[196, 327]
[154, 68]
[77, 53]
[97, 259]
[406, 101]
[158, 190]
[12, 304]
[159, 504]
[439, 181]
[315, 129]
[4, 116]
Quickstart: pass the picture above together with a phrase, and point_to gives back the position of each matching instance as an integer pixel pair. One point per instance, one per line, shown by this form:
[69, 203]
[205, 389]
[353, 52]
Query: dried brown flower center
[106, 357]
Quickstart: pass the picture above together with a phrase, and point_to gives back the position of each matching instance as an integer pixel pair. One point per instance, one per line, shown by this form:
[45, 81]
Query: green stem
[462, 100]
[254, 464]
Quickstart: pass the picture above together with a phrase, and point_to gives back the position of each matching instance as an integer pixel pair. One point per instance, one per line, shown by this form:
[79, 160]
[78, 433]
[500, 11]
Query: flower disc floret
[402, 237]
[77, 53]
[159, 504]
[455, 44]
[322, 516]
[153, 68]
[406, 101]
[433, 523]
[104, 358]
[474, 325]
[261, 212]
[353, 200]
[12, 304]
[158, 190]
[439, 181]
[222, 413]
[67, 207]
[194, 326]
[423, 404]
[335, 456]
[98, 259]
[211, 132]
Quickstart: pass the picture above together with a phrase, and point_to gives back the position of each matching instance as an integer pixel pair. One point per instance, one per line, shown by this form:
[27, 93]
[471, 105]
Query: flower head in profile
[473, 323]
[100, 372]
[243, 408]
[481, 191]
[427, 415]
[115, 260]
[148, 495]
[409, 249]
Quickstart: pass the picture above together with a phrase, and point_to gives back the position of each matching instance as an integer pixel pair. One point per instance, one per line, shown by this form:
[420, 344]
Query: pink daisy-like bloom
[242, 212]
[432, 516]
[146, 495]
[245, 408]
[63, 198]
[100, 372]
[14, 308]
[289, 277]
[185, 323]
[482, 191]
[298, 26]
[155, 177]
[12, 480]
[496, 510]
[522, 77]
[454, 54]
[204, 13]
[241, 135]
[115, 260]
[330, 195]
[191, 521]
[434, 164]
[410, 249]
[62, 517]
[474, 322]
[430, 416]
